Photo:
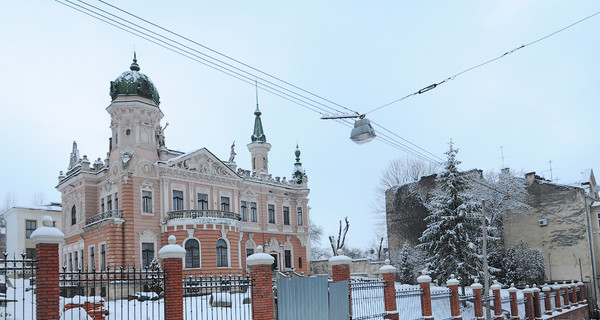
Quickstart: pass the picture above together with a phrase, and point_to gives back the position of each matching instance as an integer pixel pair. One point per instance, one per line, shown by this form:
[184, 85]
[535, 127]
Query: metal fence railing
[17, 284]
[408, 303]
[367, 298]
[217, 297]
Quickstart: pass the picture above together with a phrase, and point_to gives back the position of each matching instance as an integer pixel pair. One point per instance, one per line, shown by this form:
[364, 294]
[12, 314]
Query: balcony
[202, 216]
[104, 216]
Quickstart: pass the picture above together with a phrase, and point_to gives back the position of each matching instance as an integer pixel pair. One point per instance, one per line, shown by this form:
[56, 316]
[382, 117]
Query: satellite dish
[363, 132]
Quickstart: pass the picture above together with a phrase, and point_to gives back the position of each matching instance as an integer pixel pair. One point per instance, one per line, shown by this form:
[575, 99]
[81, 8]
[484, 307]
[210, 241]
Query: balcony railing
[194, 214]
[111, 214]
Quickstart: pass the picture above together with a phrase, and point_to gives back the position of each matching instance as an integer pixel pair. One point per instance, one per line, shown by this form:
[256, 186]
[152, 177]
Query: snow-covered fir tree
[524, 265]
[453, 226]
[409, 262]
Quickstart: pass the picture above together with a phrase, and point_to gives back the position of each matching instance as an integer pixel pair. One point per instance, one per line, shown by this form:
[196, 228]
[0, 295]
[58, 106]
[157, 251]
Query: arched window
[192, 254]
[73, 216]
[222, 253]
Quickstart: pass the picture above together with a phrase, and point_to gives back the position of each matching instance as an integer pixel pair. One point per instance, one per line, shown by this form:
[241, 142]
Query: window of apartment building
[147, 201]
[102, 257]
[102, 205]
[249, 252]
[192, 253]
[177, 200]
[244, 213]
[92, 263]
[116, 201]
[202, 201]
[271, 213]
[70, 263]
[222, 253]
[108, 203]
[253, 212]
[30, 226]
[300, 222]
[147, 254]
[73, 216]
[287, 255]
[224, 204]
[286, 216]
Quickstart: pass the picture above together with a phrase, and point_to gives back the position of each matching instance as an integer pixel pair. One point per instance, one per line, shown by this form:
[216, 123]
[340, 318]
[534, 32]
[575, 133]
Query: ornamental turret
[259, 148]
[298, 175]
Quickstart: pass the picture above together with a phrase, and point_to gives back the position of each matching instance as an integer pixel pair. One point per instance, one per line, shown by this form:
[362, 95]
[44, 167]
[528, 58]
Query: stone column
[340, 270]
[452, 284]
[528, 293]
[557, 299]
[514, 304]
[581, 292]
[537, 307]
[425, 283]
[477, 288]
[46, 239]
[574, 293]
[565, 291]
[172, 262]
[547, 302]
[388, 272]
[497, 300]
[262, 284]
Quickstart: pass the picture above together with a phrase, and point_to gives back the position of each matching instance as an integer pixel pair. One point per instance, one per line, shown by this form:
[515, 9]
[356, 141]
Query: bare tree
[38, 199]
[9, 201]
[315, 233]
[341, 238]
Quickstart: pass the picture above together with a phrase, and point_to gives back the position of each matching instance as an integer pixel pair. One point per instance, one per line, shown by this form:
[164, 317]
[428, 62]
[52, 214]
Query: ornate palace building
[119, 211]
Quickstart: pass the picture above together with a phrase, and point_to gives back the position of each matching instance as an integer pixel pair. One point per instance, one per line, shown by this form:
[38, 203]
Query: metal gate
[312, 298]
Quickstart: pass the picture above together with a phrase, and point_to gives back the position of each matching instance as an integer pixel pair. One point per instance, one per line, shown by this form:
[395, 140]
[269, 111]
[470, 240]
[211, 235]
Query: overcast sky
[540, 103]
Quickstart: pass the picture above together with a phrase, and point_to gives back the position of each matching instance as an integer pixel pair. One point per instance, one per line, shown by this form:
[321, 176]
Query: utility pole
[486, 281]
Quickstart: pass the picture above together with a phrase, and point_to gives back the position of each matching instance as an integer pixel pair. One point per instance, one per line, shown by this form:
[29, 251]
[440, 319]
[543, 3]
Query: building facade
[120, 211]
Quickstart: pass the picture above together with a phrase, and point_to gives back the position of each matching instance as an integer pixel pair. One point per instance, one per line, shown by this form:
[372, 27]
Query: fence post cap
[579, 283]
[546, 287]
[535, 288]
[387, 268]
[476, 285]
[424, 277]
[527, 290]
[496, 285]
[452, 281]
[512, 288]
[573, 284]
[340, 259]
[556, 286]
[564, 285]
[47, 233]
[260, 258]
[171, 250]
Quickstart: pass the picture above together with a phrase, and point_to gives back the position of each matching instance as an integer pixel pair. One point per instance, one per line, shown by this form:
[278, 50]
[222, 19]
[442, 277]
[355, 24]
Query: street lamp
[362, 132]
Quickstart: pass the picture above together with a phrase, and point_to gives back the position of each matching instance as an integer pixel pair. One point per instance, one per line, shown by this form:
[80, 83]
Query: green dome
[134, 83]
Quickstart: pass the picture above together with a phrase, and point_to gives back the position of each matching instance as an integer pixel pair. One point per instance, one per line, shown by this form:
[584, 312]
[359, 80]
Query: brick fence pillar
[172, 262]
[477, 288]
[46, 239]
[262, 284]
[547, 302]
[452, 284]
[514, 304]
[537, 307]
[528, 293]
[581, 292]
[565, 291]
[497, 300]
[557, 299]
[425, 283]
[574, 293]
[388, 272]
[340, 271]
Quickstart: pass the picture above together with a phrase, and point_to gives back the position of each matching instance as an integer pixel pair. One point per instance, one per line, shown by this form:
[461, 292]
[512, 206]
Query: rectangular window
[177, 200]
[300, 262]
[271, 213]
[82, 259]
[286, 216]
[102, 205]
[147, 201]
[73, 215]
[30, 253]
[92, 263]
[244, 210]
[30, 226]
[249, 252]
[202, 201]
[300, 222]
[116, 201]
[288, 259]
[147, 254]
[109, 203]
[102, 257]
[253, 212]
[224, 204]
[76, 261]
[70, 264]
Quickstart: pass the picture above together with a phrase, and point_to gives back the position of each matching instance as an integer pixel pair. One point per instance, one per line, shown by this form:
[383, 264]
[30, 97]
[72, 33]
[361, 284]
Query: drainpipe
[593, 257]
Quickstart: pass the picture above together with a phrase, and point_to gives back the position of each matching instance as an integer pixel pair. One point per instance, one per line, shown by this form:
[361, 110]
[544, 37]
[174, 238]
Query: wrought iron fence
[408, 302]
[17, 284]
[367, 298]
[113, 293]
[217, 297]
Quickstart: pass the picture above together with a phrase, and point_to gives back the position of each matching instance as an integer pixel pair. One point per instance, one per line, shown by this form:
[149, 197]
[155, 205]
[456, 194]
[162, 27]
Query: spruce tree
[453, 229]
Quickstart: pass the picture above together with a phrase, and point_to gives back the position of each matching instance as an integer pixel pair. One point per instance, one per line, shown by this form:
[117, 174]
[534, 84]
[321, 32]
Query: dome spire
[258, 135]
[299, 175]
[134, 66]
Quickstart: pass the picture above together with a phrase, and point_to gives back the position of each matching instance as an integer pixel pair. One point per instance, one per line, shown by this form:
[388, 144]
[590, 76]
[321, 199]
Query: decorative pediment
[204, 162]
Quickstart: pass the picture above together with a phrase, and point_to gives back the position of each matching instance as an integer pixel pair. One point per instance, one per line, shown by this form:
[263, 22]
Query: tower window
[192, 253]
[222, 253]
[286, 216]
[109, 203]
[300, 222]
[73, 216]
[244, 213]
[253, 213]
[147, 201]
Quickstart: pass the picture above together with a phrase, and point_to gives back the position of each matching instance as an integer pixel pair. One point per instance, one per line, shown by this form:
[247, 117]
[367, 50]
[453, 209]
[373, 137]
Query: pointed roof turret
[299, 174]
[258, 135]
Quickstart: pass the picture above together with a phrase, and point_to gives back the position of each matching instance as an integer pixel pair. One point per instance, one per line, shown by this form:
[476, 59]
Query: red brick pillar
[557, 304]
[477, 288]
[565, 293]
[514, 304]
[452, 284]
[425, 282]
[574, 293]
[46, 239]
[528, 293]
[340, 271]
[547, 302]
[172, 262]
[537, 307]
[388, 272]
[497, 300]
[581, 292]
[262, 284]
